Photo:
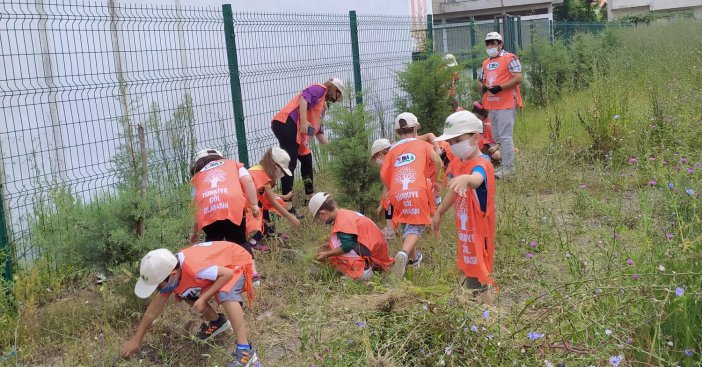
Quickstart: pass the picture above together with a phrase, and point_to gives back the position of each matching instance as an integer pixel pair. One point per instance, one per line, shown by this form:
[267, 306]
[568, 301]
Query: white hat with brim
[154, 269]
[379, 145]
[316, 202]
[282, 158]
[459, 123]
[406, 120]
[339, 86]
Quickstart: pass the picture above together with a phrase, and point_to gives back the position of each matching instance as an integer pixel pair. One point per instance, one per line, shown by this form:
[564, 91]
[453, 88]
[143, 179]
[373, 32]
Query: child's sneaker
[213, 328]
[389, 234]
[400, 263]
[258, 246]
[417, 261]
[244, 358]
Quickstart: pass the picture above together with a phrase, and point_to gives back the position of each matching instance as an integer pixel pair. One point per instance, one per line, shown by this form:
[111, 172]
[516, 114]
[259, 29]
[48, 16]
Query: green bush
[357, 180]
[425, 84]
[548, 70]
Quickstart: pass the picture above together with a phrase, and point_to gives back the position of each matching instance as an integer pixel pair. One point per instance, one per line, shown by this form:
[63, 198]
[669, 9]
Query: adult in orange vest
[196, 274]
[472, 193]
[296, 124]
[499, 80]
[407, 166]
[356, 245]
[272, 167]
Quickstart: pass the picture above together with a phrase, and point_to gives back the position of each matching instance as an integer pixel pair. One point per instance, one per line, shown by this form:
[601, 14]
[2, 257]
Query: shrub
[425, 84]
[548, 70]
[357, 180]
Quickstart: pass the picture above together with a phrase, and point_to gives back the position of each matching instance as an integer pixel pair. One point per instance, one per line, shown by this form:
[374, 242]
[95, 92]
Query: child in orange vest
[472, 193]
[273, 166]
[356, 245]
[404, 173]
[488, 145]
[379, 149]
[196, 274]
[222, 190]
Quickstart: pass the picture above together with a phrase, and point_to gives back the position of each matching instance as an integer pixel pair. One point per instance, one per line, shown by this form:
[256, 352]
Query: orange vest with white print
[369, 235]
[261, 180]
[217, 193]
[476, 229]
[314, 117]
[408, 172]
[446, 147]
[497, 73]
[203, 255]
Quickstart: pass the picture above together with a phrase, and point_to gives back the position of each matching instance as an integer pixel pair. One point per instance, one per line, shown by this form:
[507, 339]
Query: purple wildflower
[486, 314]
[669, 236]
[688, 352]
[690, 192]
[630, 261]
[360, 324]
[448, 350]
[533, 335]
[616, 360]
[617, 235]
[533, 244]
[690, 170]
[679, 291]
[583, 186]
[633, 160]
[671, 186]
[652, 182]
[635, 276]
[683, 160]
[474, 328]
[629, 340]
[529, 255]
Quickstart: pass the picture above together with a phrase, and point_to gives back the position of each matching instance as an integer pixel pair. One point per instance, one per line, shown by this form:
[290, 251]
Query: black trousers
[286, 133]
[225, 230]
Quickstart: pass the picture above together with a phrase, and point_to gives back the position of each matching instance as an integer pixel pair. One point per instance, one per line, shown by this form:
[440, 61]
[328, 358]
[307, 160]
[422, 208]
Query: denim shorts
[235, 293]
[408, 229]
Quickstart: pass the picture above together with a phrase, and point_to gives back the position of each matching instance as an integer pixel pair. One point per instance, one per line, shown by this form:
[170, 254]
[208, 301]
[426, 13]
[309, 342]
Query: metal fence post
[519, 32]
[430, 32]
[5, 249]
[355, 52]
[235, 82]
[473, 44]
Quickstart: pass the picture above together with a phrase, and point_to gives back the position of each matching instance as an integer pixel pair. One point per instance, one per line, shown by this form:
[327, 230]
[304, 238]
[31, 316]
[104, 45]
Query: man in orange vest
[409, 175]
[472, 194]
[217, 269]
[356, 245]
[296, 124]
[499, 80]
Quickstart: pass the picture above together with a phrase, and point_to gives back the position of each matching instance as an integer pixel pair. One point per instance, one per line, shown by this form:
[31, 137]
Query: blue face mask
[171, 285]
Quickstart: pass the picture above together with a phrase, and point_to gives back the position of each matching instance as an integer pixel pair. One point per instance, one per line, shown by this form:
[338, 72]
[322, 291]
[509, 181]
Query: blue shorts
[235, 293]
[409, 229]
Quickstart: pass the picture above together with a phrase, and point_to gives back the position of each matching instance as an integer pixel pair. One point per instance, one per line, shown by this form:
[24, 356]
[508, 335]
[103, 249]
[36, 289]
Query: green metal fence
[80, 80]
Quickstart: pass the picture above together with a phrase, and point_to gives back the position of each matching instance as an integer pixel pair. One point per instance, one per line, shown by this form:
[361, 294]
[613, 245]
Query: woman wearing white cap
[296, 124]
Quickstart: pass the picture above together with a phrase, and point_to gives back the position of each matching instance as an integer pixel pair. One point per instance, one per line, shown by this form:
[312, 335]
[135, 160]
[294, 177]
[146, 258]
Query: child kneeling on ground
[356, 244]
[472, 193]
[221, 269]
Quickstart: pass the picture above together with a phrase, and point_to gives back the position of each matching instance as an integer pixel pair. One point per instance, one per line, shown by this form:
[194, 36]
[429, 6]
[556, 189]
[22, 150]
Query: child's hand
[200, 305]
[436, 224]
[129, 348]
[460, 185]
[379, 210]
[321, 256]
[254, 211]
[292, 219]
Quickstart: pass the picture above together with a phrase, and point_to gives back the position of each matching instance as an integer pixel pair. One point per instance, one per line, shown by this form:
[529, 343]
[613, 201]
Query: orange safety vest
[408, 172]
[487, 134]
[446, 147]
[476, 229]
[497, 73]
[314, 116]
[218, 194]
[261, 180]
[201, 256]
[369, 235]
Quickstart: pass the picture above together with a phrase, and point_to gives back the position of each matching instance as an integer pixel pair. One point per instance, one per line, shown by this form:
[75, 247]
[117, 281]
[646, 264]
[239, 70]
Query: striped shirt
[515, 66]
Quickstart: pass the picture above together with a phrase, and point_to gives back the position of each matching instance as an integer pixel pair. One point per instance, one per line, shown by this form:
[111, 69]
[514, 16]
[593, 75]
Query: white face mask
[493, 52]
[463, 149]
[380, 160]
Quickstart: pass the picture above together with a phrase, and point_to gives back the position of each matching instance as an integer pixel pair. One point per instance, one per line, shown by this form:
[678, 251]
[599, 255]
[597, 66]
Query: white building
[620, 8]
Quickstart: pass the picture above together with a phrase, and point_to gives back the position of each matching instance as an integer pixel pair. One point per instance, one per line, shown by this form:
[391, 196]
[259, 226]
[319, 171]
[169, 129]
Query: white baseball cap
[379, 145]
[410, 120]
[450, 60]
[282, 158]
[340, 86]
[205, 153]
[493, 36]
[154, 269]
[316, 202]
[459, 123]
